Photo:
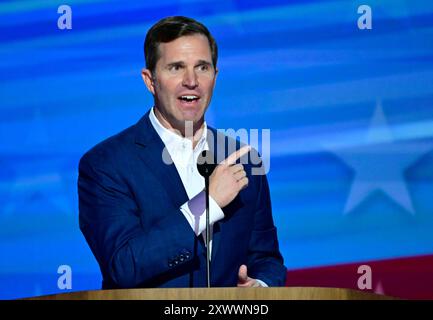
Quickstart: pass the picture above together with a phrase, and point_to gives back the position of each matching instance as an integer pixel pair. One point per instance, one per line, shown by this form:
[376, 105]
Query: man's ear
[146, 74]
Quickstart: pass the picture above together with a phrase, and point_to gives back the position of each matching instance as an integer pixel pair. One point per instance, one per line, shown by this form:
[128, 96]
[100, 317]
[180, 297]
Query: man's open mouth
[189, 98]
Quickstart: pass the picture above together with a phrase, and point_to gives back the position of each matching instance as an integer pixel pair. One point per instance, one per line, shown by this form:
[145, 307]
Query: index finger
[231, 159]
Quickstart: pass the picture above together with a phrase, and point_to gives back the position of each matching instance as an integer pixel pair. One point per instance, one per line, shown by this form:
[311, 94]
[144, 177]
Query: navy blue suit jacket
[129, 213]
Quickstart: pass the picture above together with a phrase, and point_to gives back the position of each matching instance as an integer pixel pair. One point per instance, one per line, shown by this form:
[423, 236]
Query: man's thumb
[243, 276]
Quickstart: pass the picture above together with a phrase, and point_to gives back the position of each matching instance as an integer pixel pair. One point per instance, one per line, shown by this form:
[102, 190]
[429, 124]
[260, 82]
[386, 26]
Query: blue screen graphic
[348, 101]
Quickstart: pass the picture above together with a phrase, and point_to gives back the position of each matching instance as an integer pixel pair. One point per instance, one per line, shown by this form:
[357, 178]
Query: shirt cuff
[194, 211]
[262, 284]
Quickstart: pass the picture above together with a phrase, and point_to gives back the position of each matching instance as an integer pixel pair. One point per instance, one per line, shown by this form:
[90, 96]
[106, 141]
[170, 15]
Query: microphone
[205, 166]
[206, 163]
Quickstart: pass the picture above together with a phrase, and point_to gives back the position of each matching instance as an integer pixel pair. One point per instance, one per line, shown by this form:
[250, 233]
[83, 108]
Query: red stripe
[408, 278]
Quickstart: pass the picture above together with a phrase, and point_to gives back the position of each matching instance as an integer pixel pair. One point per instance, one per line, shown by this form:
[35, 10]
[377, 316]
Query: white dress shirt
[185, 159]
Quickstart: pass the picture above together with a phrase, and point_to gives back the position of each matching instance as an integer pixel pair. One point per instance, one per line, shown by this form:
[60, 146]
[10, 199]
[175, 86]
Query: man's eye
[174, 68]
[204, 67]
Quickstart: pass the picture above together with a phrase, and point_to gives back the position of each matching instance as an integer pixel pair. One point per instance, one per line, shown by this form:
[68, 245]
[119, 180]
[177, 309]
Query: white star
[380, 164]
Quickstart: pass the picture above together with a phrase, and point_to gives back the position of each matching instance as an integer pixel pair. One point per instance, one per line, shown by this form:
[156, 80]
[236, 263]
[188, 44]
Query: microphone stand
[205, 166]
[207, 233]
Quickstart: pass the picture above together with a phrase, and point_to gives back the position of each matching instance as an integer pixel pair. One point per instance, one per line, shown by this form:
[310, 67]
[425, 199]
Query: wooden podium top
[284, 293]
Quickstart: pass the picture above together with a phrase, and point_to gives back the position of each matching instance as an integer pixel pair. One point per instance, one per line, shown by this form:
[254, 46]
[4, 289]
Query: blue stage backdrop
[348, 101]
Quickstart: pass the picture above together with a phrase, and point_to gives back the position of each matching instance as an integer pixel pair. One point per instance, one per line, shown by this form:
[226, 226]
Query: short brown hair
[169, 29]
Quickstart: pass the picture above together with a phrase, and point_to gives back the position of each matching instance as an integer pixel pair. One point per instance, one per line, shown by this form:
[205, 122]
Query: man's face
[183, 81]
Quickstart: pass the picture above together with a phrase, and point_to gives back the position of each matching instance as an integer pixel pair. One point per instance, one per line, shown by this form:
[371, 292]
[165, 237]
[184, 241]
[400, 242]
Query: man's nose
[190, 79]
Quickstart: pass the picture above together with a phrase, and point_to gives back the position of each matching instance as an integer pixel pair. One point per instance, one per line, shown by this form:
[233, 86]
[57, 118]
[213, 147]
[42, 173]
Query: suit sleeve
[264, 258]
[129, 253]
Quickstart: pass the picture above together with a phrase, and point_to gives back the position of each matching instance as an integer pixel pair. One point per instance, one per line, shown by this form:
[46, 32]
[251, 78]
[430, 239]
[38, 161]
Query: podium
[283, 293]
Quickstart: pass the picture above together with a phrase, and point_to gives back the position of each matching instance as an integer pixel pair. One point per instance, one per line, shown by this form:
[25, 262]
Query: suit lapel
[150, 149]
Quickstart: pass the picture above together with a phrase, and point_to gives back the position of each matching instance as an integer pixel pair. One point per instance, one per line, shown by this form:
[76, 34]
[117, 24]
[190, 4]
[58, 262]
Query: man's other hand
[244, 281]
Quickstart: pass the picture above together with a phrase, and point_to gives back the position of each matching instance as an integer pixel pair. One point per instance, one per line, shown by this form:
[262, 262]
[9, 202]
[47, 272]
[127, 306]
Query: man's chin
[192, 115]
[192, 122]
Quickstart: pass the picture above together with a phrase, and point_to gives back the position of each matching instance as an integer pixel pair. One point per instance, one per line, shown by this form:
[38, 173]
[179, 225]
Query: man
[141, 199]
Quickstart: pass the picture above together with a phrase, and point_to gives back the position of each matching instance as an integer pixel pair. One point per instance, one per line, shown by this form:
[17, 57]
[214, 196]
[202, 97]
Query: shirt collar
[171, 139]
